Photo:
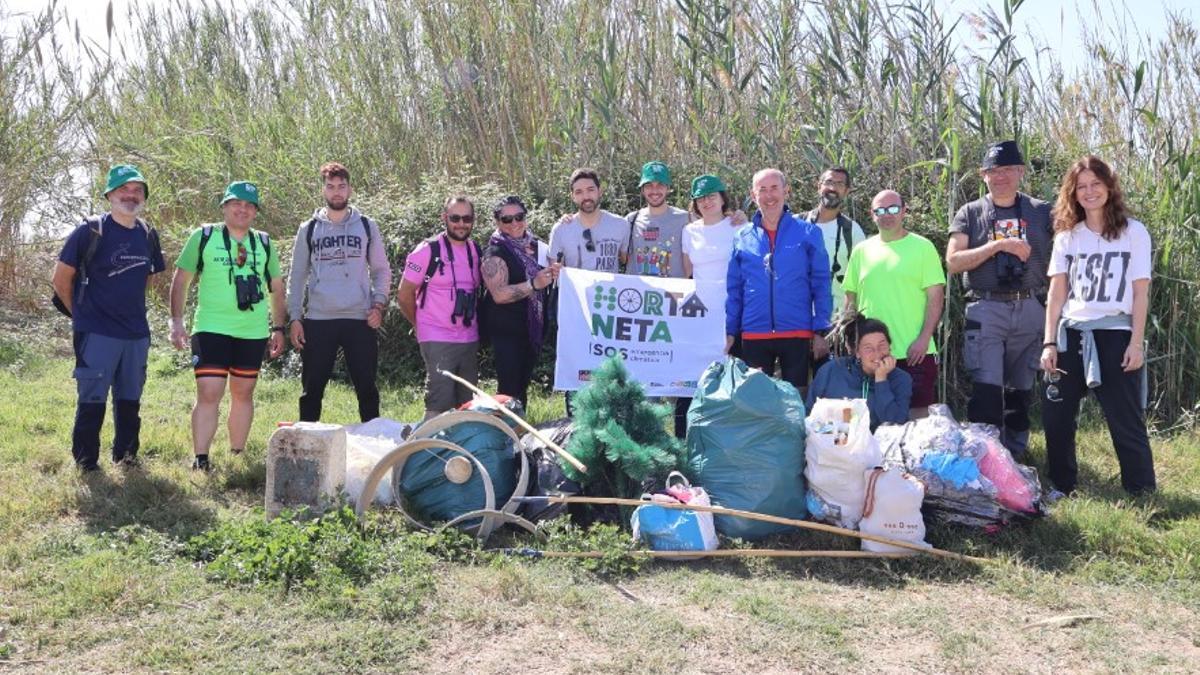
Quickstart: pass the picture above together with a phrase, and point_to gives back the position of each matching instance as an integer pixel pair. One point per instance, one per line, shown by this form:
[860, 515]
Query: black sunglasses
[588, 243]
[241, 255]
[508, 220]
[455, 218]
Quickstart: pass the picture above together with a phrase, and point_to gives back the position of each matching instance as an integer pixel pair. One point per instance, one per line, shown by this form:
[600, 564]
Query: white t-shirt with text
[1100, 273]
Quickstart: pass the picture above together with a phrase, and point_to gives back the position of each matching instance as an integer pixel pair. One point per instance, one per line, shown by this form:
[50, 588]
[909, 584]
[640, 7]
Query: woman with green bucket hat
[707, 243]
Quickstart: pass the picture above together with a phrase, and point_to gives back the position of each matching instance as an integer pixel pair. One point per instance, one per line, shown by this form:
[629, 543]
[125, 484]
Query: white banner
[667, 330]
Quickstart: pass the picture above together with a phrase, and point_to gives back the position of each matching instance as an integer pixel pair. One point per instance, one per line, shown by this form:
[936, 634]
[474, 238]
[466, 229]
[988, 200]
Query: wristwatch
[276, 329]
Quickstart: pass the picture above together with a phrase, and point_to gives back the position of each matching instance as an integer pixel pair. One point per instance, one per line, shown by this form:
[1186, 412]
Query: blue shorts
[102, 362]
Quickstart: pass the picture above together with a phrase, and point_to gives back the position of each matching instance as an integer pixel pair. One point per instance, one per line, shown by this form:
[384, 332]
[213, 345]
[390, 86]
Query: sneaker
[1053, 496]
[130, 462]
[202, 464]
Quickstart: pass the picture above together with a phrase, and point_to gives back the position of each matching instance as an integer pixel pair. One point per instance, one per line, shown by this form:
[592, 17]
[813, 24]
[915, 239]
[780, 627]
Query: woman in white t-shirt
[1096, 325]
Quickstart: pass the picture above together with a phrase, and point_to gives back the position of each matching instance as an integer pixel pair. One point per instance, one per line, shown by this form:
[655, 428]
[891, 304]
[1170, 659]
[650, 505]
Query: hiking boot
[201, 463]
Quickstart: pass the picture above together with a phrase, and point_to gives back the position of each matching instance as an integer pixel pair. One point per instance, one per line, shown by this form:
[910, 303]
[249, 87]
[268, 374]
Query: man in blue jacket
[779, 298]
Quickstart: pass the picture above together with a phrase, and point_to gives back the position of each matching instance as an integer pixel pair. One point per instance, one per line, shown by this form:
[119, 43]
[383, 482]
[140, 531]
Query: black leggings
[1119, 395]
[515, 360]
[360, 343]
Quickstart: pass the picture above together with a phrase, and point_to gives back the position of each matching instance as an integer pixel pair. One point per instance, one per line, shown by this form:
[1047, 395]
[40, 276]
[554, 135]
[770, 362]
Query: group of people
[1076, 275]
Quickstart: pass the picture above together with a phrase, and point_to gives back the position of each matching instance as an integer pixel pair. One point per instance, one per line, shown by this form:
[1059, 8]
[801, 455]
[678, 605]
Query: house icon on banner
[693, 307]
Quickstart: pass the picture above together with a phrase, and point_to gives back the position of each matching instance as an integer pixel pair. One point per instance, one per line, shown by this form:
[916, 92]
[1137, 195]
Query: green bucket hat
[655, 172]
[705, 185]
[121, 174]
[243, 190]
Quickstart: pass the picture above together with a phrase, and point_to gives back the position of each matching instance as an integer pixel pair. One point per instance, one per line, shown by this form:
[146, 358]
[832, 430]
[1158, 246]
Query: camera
[249, 291]
[464, 306]
[1010, 271]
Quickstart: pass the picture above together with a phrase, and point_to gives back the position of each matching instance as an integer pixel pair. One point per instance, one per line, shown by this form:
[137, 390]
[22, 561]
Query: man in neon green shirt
[896, 276]
[236, 267]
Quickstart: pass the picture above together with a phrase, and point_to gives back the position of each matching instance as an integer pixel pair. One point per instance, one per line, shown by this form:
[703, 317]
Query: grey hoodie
[335, 280]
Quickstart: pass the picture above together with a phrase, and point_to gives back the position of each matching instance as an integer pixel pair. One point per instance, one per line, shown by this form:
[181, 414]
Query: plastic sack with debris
[839, 447]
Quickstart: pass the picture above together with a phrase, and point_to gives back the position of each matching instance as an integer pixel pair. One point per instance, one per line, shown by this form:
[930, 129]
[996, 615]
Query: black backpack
[308, 237]
[436, 266]
[206, 234]
[94, 224]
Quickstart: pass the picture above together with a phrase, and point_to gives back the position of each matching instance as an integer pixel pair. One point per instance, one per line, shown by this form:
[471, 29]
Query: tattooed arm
[495, 275]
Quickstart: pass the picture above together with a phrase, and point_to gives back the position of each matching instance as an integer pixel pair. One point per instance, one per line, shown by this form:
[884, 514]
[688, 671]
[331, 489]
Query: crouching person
[870, 373]
[236, 267]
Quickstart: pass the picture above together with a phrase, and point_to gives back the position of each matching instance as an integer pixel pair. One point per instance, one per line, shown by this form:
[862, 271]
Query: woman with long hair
[514, 307]
[1096, 324]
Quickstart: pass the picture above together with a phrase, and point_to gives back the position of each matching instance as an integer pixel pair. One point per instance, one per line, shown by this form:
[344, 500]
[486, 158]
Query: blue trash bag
[429, 496]
[745, 444]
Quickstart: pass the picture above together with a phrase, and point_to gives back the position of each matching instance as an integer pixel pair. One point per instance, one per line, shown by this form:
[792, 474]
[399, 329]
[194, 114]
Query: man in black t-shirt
[100, 279]
[1001, 244]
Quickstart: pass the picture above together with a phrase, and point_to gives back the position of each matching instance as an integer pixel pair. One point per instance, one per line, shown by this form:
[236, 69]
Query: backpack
[308, 237]
[95, 224]
[844, 233]
[206, 234]
[435, 263]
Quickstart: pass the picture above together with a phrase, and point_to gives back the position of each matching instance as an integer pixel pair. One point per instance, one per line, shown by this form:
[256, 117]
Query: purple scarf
[536, 306]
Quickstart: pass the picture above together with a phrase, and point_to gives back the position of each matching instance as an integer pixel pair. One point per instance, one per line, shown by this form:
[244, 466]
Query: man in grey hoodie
[337, 295]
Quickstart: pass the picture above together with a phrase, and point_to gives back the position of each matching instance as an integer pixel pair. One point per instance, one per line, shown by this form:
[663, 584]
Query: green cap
[243, 190]
[122, 174]
[706, 185]
[655, 172]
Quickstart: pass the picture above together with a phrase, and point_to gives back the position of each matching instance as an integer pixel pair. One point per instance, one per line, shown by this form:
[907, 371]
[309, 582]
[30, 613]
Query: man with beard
[841, 235]
[337, 295]
[591, 238]
[656, 231]
[437, 295]
[778, 284]
[1001, 245]
[100, 281]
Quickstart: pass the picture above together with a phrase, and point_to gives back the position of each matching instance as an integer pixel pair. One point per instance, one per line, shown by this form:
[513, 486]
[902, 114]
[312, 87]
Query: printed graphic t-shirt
[459, 270]
[889, 281]
[1100, 274]
[216, 295]
[609, 238]
[655, 248]
[114, 304]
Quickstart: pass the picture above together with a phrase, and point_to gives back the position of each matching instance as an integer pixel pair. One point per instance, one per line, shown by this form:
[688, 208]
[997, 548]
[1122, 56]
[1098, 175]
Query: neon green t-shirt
[889, 280]
[216, 296]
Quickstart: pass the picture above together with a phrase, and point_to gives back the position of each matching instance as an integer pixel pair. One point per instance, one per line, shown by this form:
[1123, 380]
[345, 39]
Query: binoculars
[464, 306]
[249, 291]
[1010, 271]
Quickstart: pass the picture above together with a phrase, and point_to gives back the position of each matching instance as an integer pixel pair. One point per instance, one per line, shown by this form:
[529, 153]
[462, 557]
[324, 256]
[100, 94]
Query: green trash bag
[430, 496]
[745, 442]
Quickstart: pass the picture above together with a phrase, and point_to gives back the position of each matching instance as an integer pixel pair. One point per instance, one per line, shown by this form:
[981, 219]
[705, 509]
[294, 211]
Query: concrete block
[306, 466]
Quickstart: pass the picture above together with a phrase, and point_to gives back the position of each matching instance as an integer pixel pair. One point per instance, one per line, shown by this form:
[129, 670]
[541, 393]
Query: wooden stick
[721, 553]
[520, 422]
[751, 515]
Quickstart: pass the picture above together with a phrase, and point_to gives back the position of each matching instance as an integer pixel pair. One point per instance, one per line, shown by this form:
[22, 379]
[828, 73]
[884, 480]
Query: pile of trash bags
[970, 477]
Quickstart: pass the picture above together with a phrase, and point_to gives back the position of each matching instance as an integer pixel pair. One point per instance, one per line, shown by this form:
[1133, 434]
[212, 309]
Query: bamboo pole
[721, 553]
[520, 422]
[751, 515]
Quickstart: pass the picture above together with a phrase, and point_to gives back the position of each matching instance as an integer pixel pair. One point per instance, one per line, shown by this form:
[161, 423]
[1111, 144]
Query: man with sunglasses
[840, 233]
[778, 284]
[1001, 245]
[896, 277]
[235, 267]
[337, 294]
[438, 295]
[591, 238]
[100, 279]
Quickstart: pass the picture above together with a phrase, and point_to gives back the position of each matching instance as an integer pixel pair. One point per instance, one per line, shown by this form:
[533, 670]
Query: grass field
[98, 575]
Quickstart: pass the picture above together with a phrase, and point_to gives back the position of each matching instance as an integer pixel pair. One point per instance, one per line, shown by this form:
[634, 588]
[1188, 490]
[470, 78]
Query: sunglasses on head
[588, 243]
[887, 210]
[456, 219]
[508, 220]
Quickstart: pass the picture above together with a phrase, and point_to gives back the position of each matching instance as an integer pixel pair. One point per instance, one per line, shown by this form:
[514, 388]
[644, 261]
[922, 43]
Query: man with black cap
[1001, 244]
[100, 282]
[656, 231]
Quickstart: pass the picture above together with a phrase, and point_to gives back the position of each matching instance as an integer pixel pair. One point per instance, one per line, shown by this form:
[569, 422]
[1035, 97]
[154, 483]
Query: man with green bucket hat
[236, 267]
[100, 282]
[656, 231]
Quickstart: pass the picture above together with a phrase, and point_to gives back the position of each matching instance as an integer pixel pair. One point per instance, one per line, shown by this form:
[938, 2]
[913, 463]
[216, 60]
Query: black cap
[1004, 153]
